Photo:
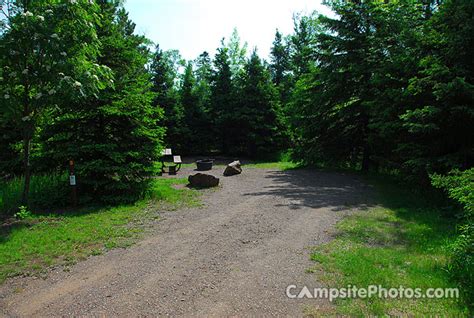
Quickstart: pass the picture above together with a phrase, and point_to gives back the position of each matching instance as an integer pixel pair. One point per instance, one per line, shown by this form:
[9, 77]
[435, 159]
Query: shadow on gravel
[318, 189]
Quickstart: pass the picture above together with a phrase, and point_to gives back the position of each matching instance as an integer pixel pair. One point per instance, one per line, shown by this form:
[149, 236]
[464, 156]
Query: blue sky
[192, 26]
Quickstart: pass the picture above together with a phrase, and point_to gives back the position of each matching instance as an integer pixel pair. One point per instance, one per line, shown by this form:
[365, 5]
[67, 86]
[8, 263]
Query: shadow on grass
[7, 228]
[403, 241]
[165, 191]
[431, 223]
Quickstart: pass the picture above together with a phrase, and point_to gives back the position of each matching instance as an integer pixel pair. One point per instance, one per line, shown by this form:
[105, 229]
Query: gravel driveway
[233, 257]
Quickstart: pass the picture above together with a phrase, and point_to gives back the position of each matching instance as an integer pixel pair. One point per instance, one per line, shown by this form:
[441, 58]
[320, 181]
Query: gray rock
[202, 180]
[233, 168]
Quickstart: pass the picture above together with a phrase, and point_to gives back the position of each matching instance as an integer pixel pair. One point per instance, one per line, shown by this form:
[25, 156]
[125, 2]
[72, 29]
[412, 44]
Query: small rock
[233, 168]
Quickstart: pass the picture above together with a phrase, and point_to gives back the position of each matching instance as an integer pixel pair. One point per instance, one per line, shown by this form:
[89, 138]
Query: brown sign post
[72, 183]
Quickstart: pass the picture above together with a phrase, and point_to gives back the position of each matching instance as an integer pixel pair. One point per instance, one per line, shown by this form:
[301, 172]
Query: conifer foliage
[114, 137]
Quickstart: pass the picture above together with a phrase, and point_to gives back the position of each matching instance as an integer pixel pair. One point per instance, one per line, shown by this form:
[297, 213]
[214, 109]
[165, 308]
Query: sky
[194, 26]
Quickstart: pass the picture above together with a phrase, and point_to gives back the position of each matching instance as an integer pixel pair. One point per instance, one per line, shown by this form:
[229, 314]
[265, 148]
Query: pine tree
[279, 59]
[164, 72]
[115, 138]
[203, 75]
[302, 44]
[222, 101]
[258, 111]
[236, 53]
[280, 68]
[328, 109]
[440, 121]
[193, 115]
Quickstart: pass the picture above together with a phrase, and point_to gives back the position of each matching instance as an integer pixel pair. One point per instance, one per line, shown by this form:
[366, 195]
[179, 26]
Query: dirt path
[234, 257]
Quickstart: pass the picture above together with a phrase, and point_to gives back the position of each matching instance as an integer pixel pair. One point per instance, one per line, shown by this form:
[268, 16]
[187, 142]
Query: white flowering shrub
[43, 57]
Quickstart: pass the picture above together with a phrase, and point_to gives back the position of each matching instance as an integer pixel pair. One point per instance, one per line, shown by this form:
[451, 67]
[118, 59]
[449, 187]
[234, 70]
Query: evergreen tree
[236, 53]
[203, 75]
[302, 43]
[202, 90]
[280, 68]
[258, 112]
[114, 139]
[440, 121]
[390, 87]
[279, 58]
[336, 115]
[222, 100]
[194, 117]
[334, 103]
[162, 78]
[164, 73]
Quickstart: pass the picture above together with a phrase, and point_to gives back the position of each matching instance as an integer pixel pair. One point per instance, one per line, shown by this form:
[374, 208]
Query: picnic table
[174, 162]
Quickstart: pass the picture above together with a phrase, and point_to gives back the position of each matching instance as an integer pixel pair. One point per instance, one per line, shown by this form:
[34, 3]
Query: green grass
[281, 161]
[404, 241]
[173, 193]
[280, 165]
[33, 244]
[45, 191]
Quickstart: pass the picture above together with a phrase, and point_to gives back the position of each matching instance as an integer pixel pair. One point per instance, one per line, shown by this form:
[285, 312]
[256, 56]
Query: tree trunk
[26, 168]
[27, 135]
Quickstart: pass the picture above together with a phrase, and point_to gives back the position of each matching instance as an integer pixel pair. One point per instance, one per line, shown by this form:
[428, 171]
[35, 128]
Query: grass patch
[166, 191]
[405, 241]
[33, 244]
[280, 165]
[45, 191]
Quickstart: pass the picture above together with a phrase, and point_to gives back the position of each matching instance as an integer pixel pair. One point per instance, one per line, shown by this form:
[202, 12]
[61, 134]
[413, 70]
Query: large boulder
[202, 180]
[233, 168]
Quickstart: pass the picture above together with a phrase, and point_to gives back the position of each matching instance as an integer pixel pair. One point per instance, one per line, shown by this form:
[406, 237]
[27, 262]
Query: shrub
[23, 213]
[460, 187]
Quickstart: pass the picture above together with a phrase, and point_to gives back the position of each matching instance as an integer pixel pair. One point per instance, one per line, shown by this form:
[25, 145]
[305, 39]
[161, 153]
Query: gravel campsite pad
[234, 256]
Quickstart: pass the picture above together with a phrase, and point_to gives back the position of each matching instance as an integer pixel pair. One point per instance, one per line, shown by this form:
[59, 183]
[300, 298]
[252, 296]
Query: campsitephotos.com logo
[371, 291]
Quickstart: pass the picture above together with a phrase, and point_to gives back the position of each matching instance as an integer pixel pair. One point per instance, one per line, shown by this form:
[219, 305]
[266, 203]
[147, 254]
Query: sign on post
[72, 183]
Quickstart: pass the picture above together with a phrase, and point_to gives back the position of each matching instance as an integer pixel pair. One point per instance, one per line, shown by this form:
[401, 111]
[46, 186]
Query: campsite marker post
[72, 183]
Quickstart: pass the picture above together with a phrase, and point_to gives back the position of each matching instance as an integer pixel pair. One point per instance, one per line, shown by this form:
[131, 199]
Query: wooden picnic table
[174, 162]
